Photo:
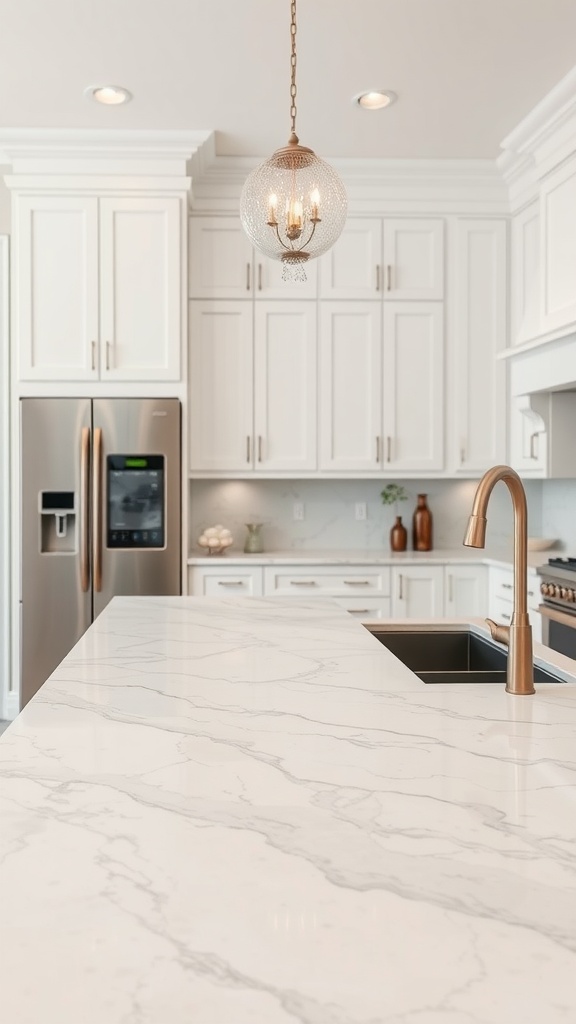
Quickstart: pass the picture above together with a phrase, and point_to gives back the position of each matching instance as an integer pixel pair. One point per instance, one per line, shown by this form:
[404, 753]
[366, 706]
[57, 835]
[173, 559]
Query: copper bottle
[422, 526]
[398, 535]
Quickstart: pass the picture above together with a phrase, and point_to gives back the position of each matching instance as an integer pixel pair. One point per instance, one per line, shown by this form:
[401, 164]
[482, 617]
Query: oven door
[558, 630]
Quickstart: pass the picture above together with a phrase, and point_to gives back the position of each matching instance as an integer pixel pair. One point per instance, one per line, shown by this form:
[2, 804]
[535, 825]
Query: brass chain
[293, 65]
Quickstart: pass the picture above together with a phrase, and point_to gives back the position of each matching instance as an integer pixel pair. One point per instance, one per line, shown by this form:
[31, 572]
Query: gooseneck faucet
[518, 635]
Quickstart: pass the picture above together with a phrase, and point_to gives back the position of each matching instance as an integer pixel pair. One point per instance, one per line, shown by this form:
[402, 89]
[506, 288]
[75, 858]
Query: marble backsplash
[329, 512]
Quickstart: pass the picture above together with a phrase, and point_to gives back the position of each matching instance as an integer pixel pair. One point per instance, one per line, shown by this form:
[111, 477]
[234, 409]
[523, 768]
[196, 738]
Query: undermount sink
[451, 657]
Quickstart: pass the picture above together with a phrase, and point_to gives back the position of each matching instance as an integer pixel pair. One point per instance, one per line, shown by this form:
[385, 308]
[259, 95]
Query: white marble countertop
[249, 812]
[447, 556]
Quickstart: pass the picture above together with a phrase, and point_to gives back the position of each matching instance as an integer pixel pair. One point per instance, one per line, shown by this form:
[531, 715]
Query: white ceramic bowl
[540, 543]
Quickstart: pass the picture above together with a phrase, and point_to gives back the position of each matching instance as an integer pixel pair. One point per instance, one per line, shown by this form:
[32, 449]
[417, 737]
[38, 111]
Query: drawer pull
[230, 583]
[357, 583]
[358, 611]
[507, 586]
[302, 583]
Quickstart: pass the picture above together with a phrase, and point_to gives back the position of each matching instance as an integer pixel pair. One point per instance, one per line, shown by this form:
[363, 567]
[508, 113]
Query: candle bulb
[315, 203]
[272, 208]
[295, 214]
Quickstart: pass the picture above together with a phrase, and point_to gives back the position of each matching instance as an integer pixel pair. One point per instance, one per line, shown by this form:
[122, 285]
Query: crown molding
[218, 180]
[542, 140]
[96, 151]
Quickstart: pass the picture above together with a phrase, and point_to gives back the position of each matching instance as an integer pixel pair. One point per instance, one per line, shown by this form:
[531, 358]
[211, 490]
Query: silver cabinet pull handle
[462, 455]
[378, 448]
[247, 277]
[533, 441]
[93, 355]
[508, 586]
[357, 583]
[230, 583]
[389, 277]
[107, 355]
[400, 587]
[259, 277]
[248, 453]
[358, 611]
[259, 448]
[450, 588]
[302, 583]
[377, 277]
[388, 449]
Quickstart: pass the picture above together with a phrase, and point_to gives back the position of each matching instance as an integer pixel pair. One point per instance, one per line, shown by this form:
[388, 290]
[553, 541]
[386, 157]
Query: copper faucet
[518, 635]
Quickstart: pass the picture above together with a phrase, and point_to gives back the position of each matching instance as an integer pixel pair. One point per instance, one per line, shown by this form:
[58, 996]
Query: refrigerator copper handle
[97, 511]
[84, 508]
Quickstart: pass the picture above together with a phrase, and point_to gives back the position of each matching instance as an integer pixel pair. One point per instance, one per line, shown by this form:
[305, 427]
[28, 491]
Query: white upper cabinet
[413, 259]
[98, 288]
[56, 301]
[285, 386]
[391, 258]
[558, 218]
[525, 274]
[478, 382]
[140, 259]
[252, 387]
[350, 386]
[381, 395]
[224, 265]
[221, 387]
[413, 387]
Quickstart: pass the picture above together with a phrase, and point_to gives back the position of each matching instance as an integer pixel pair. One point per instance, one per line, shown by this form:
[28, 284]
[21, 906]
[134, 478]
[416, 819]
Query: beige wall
[4, 203]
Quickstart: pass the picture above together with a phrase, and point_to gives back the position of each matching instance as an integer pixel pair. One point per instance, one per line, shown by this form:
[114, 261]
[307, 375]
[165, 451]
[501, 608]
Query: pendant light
[293, 206]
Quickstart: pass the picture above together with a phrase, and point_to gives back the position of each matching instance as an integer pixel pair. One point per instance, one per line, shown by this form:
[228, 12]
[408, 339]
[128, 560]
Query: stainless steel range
[558, 608]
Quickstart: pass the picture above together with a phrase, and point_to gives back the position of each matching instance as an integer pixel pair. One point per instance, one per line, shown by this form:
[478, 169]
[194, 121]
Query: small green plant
[393, 494]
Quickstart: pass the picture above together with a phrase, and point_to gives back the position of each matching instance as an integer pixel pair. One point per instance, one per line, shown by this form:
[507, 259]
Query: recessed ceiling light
[110, 95]
[375, 100]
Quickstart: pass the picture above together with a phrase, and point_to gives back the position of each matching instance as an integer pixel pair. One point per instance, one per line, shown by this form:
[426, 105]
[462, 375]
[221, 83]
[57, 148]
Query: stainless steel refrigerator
[100, 514]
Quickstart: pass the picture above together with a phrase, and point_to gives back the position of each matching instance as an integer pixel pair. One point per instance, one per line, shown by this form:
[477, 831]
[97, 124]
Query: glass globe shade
[293, 207]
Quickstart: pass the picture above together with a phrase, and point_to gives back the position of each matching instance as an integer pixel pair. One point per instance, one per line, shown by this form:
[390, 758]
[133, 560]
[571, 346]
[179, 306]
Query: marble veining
[249, 812]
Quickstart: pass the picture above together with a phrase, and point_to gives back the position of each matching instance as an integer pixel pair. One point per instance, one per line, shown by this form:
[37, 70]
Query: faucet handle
[499, 633]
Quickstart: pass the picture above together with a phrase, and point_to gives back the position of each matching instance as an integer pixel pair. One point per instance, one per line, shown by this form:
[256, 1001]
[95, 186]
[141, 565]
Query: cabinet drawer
[501, 583]
[326, 580]
[228, 581]
[365, 611]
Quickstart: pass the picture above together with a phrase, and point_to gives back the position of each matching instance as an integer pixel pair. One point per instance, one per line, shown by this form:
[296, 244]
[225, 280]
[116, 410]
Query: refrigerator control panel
[135, 501]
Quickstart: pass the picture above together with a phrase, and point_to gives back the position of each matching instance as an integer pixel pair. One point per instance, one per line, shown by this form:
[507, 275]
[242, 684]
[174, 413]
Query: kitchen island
[249, 812]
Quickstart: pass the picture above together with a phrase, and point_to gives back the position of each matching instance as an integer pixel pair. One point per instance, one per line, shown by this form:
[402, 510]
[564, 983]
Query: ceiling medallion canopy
[293, 206]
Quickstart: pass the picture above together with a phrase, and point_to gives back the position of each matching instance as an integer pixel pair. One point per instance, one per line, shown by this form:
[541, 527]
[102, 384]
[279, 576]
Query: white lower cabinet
[418, 592]
[465, 590]
[501, 599]
[374, 591]
[226, 581]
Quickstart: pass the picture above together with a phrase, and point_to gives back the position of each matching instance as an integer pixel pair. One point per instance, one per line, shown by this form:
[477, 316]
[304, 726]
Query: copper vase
[398, 535]
[422, 526]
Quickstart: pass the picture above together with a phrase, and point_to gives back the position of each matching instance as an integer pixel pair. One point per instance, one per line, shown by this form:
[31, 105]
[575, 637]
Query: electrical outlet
[298, 511]
[360, 510]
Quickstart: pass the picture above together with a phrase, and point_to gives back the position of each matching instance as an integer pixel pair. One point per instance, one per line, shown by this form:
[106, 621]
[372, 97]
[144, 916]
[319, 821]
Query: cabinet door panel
[140, 288]
[413, 386]
[269, 281]
[413, 259]
[418, 593]
[56, 287]
[466, 591]
[285, 386]
[352, 269]
[221, 390]
[558, 208]
[220, 259]
[479, 383]
[525, 259]
[350, 375]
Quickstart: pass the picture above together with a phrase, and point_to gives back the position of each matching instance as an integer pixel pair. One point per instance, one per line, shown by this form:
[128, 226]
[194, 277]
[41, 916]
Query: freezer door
[55, 574]
[136, 509]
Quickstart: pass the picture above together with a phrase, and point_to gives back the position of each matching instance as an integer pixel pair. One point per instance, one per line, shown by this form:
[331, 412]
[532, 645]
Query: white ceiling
[465, 71]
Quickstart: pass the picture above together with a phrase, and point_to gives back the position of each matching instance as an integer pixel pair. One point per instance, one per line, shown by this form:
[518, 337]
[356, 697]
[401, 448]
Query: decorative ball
[216, 539]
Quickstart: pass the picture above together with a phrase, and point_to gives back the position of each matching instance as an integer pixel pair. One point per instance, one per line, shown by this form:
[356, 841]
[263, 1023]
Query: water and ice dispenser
[58, 518]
